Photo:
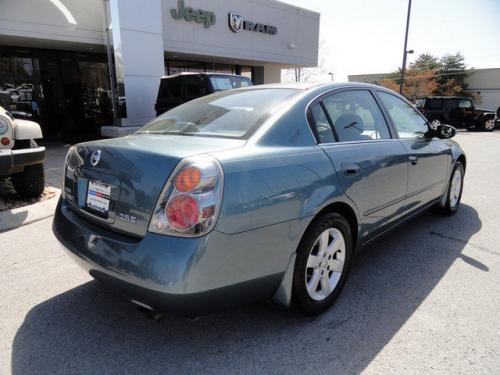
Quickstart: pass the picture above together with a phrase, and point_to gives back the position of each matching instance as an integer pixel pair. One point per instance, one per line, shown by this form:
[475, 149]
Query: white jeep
[20, 156]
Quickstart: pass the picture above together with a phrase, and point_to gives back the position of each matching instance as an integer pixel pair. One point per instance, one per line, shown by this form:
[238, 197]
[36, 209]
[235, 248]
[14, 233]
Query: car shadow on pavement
[90, 330]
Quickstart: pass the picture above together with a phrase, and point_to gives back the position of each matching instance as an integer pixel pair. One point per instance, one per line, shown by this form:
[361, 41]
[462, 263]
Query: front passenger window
[406, 119]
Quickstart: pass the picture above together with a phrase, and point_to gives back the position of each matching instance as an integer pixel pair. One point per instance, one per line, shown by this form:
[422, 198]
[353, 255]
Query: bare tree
[302, 74]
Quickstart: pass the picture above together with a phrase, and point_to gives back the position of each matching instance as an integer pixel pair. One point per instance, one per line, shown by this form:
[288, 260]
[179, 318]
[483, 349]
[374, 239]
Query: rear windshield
[230, 114]
[221, 83]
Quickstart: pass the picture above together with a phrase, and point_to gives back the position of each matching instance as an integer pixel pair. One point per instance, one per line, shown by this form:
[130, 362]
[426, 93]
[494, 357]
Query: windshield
[232, 114]
[221, 83]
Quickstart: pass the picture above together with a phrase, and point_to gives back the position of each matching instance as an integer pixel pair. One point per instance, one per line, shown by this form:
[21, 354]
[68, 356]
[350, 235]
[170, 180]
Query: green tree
[451, 76]
[426, 62]
[430, 75]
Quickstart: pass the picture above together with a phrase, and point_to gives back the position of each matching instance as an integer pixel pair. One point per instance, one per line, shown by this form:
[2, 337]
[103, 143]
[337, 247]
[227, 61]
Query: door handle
[351, 169]
[413, 160]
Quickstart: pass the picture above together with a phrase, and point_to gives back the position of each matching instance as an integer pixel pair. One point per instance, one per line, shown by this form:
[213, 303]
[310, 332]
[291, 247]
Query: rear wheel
[489, 124]
[30, 182]
[322, 264]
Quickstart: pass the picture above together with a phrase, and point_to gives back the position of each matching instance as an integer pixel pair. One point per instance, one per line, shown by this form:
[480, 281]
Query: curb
[18, 217]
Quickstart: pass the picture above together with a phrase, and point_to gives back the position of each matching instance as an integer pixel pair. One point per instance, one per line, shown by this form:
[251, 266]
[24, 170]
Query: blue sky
[367, 36]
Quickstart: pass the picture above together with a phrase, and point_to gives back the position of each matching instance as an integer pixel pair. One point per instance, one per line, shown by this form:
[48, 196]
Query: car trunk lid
[115, 183]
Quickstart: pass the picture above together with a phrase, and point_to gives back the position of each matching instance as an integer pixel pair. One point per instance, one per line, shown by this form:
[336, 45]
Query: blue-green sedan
[254, 193]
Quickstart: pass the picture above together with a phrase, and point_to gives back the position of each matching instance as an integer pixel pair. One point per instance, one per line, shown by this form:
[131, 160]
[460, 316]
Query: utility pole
[405, 52]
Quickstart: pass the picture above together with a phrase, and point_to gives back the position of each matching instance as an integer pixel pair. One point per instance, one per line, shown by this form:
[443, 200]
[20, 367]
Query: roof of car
[309, 86]
[300, 85]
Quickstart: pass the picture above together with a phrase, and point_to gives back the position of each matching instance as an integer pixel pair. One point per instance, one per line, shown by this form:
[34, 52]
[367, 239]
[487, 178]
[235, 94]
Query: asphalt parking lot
[425, 299]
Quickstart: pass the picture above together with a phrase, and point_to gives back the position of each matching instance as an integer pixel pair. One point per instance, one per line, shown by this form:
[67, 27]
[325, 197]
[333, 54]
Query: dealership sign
[205, 17]
[237, 23]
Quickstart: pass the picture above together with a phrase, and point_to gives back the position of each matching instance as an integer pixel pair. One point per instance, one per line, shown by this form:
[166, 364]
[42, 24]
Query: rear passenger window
[356, 116]
[195, 87]
[323, 127]
[171, 88]
[434, 103]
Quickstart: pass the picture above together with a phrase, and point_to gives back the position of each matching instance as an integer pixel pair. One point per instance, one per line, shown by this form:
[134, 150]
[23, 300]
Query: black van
[180, 88]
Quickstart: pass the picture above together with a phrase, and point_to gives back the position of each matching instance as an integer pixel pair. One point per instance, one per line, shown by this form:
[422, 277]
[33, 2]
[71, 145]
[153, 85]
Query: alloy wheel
[325, 264]
[435, 122]
[455, 188]
[489, 124]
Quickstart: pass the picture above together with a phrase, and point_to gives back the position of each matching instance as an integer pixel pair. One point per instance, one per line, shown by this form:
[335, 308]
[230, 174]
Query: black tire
[300, 296]
[30, 182]
[448, 208]
[488, 125]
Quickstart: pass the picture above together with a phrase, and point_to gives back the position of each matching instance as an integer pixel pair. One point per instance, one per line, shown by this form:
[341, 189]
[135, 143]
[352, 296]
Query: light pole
[331, 74]
[405, 52]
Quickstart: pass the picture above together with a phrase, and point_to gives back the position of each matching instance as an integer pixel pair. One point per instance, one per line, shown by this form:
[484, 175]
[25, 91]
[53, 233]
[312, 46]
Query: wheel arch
[283, 294]
[346, 211]
[462, 159]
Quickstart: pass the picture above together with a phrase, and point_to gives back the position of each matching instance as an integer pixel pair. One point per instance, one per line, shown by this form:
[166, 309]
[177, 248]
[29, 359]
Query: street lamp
[331, 74]
[405, 51]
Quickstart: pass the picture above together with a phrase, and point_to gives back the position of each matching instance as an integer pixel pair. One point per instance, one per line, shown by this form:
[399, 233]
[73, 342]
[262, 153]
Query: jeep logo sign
[207, 18]
[236, 23]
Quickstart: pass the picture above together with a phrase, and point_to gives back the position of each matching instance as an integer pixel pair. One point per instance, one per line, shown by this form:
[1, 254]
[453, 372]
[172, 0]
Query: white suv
[20, 156]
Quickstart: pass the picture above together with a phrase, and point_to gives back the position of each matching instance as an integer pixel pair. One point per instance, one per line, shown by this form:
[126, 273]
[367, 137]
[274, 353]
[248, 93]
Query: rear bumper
[189, 276]
[14, 161]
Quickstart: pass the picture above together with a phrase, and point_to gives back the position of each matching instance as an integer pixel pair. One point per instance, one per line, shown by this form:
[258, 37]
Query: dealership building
[86, 68]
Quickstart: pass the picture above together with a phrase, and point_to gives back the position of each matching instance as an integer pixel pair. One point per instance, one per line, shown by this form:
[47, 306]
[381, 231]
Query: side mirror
[443, 131]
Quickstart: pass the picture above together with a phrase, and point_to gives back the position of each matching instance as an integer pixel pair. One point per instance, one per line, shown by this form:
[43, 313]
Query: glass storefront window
[179, 66]
[68, 93]
[19, 87]
[176, 66]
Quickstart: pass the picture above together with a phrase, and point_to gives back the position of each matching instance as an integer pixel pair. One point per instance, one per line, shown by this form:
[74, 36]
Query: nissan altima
[255, 193]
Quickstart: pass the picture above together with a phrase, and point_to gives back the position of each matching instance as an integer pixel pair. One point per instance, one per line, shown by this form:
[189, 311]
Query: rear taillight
[190, 201]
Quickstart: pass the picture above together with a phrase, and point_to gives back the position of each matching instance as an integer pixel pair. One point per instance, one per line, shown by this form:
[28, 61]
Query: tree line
[430, 75]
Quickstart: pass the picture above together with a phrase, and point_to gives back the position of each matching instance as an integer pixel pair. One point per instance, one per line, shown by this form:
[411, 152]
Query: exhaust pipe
[151, 312]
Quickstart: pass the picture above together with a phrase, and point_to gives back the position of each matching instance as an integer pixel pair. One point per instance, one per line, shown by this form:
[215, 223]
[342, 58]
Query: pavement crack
[336, 324]
[482, 248]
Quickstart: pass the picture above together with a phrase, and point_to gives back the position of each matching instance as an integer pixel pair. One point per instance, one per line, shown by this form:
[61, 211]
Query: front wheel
[488, 125]
[322, 264]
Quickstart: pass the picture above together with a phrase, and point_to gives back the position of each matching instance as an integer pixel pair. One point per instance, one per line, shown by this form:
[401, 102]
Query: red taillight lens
[187, 179]
[5, 141]
[182, 212]
[189, 203]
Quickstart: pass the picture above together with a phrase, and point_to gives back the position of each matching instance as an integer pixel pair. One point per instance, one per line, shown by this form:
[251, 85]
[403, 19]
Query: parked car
[180, 88]
[457, 111]
[253, 193]
[20, 156]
